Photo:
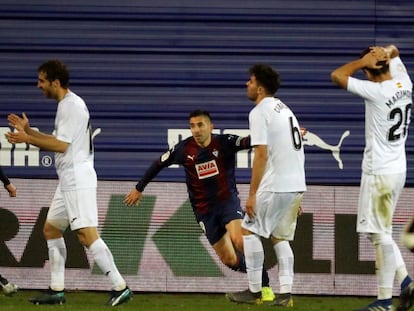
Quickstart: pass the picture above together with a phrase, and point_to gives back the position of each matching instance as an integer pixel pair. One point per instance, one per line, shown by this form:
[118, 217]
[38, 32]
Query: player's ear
[56, 83]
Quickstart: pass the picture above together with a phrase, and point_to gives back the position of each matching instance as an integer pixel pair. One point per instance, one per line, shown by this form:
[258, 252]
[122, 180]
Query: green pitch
[94, 301]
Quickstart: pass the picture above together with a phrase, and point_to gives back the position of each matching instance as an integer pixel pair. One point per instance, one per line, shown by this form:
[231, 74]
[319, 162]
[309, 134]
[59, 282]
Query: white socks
[57, 260]
[401, 272]
[105, 261]
[254, 256]
[285, 262]
[385, 263]
[101, 255]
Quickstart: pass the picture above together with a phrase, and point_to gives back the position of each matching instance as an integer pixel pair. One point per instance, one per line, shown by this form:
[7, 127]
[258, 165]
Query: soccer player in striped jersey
[209, 162]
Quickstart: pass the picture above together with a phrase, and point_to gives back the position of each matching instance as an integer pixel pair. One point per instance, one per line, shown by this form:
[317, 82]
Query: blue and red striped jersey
[209, 171]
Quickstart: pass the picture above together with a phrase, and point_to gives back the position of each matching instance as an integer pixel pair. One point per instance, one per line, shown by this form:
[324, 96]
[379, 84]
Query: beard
[252, 97]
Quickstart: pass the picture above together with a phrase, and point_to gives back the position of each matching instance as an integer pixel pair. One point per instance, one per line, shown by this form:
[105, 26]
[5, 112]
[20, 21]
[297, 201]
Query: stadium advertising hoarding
[159, 247]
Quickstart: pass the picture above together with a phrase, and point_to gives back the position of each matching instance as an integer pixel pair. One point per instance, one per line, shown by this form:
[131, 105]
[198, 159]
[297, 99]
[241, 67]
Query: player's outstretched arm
[11, 189]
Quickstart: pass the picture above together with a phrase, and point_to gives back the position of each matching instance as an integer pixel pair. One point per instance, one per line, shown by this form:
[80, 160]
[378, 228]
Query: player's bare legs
[234, 230]
[225, 250]
[87, 236]
[51, 232]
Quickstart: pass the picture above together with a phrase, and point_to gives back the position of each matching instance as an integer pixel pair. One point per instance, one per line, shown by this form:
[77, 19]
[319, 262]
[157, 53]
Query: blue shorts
[214, 222]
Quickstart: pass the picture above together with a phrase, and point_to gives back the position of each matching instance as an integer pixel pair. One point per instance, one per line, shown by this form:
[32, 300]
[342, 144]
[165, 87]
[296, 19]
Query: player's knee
[276, 240]
[53, 229]
[238, 243]
[229, 259]
[87, 236]
[82, 239]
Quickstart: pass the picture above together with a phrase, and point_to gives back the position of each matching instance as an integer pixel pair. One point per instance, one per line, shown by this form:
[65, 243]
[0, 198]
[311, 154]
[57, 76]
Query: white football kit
[278, 197]
[74, 202]
[387, 117]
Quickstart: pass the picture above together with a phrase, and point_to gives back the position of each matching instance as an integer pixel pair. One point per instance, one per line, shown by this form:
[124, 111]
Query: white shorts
[378, 198]
[276, 215]
[77, 209]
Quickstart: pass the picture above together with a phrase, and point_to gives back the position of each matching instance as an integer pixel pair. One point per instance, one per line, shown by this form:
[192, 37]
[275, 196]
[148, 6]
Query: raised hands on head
[376, 58]
[380, 53]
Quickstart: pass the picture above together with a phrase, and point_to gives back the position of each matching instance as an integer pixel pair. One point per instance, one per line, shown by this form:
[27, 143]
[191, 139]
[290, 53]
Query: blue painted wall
[143, 65]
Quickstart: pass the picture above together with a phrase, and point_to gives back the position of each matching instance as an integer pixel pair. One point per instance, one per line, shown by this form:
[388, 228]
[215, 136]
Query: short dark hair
[55, 70]
[385, 67]
[266, 77]
[198, 113]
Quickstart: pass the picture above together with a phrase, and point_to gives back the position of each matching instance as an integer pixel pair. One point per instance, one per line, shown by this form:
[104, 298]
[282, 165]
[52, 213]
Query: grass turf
[93, 301]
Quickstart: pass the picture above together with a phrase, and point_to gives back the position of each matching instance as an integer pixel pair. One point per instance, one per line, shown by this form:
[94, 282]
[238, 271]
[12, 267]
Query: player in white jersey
[276, 188]
[387, 95]
[74, 203]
